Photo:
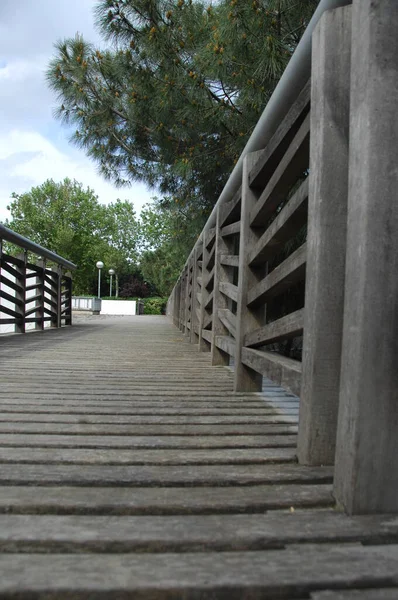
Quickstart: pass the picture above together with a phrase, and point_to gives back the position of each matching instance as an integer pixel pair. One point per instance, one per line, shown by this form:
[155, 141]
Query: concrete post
[326, 241]
[366, 473]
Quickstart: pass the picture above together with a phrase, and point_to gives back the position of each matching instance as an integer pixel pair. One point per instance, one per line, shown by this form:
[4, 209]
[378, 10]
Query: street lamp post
[99, 266]
[111, 272]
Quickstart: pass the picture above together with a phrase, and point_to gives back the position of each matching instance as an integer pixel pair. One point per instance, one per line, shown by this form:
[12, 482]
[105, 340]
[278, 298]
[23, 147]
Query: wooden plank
[153, 475]
[285, 226]
[209, 301]
[284, 276]
[166, 501]
[231, 260]
[199, 533]
[12, 299]
[291, 167]
[326, 238]
[247, 318]
[367, 432]
[210, 258]
[206, 334]
[228, 319]
[11, 284]
[9, 311]
[271, 156]
[287, 327]
[111, 456]
[362, 594]
[210, 237]
[209, 279]
[228, 289]
[230, 211]
[226, 343]
[230, 230]
[232, 575]
[284, 371]
[207, 320]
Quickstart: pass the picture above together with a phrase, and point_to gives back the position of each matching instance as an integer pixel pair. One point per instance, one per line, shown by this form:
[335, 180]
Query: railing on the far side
[35, 285]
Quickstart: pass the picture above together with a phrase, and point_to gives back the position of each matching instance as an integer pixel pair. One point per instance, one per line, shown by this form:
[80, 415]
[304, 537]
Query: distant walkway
[128, 469]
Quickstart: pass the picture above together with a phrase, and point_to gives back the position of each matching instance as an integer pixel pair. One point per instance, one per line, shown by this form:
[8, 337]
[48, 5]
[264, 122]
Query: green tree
[174, 99]
[168, 233]
[69, 220]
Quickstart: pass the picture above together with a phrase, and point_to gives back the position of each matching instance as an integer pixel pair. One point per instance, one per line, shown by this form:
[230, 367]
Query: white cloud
[27, 159]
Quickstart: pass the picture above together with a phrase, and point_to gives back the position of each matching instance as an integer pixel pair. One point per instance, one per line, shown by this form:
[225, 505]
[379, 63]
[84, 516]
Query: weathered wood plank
[229, 289]
[285, 226]
[168, 501]
[228, 319]
[284, 276]
[159, 476]
[233, 575]
[284, 371]
[199, 533]
[284, 328]
[95, 456]
[230, 211]
[327, 235]
[247, 319]
[230, 230]
[231, 260]
[226, 343]
[291, 167]
[271, 156]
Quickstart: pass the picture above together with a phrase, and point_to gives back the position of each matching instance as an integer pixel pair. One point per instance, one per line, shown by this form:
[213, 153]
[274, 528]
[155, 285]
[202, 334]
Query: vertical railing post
[204, 345]
[326, 239]
[68, 284]
[56, 287]
[20, 295]
[246, 380]
[366, 471]
[194, 301]
[220, 301]
[41, 290]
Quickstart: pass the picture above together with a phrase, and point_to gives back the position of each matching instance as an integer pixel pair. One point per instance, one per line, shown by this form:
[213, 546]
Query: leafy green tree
[68, 219]
[174, 99]
[168, 234]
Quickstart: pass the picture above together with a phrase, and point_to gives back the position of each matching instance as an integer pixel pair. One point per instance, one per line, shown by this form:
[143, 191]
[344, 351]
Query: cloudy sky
[33, 146]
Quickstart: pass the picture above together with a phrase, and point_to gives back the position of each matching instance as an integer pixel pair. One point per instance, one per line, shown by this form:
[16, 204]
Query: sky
[33, 145]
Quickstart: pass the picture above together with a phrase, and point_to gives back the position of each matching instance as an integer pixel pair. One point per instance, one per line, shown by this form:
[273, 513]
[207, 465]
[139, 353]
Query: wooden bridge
[130, 469]
[171, 458]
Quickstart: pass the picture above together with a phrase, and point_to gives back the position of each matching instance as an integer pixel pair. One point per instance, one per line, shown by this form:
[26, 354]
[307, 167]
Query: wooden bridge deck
[130, 470]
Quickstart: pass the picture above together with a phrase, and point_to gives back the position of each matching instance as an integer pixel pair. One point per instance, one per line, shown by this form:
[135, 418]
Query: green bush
[154, 306]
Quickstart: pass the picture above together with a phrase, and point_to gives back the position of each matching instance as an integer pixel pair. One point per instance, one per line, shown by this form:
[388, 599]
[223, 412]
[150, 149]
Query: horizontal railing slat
[231, 260]
[229, 289]
[288, 273]
[225, 343]
[271, 156]
[229, 230]
[284, 328]
[291, 167]
[286, 225]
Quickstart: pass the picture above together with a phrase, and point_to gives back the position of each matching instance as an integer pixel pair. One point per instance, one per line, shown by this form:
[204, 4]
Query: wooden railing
[35, 285]
[295, 223]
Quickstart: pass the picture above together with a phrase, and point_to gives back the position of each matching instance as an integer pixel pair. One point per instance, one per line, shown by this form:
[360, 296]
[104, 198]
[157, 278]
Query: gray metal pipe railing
[293, 79]
[26, 244]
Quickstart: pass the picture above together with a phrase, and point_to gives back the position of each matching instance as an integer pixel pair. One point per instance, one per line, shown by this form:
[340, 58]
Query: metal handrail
[23, 242]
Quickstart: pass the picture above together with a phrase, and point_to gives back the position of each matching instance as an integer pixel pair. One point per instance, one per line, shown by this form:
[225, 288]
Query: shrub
[155, 306]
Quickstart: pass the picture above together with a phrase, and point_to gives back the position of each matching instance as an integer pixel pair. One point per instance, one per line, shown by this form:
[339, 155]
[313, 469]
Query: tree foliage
[69, 220]
[174, 98]
[168, 233]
